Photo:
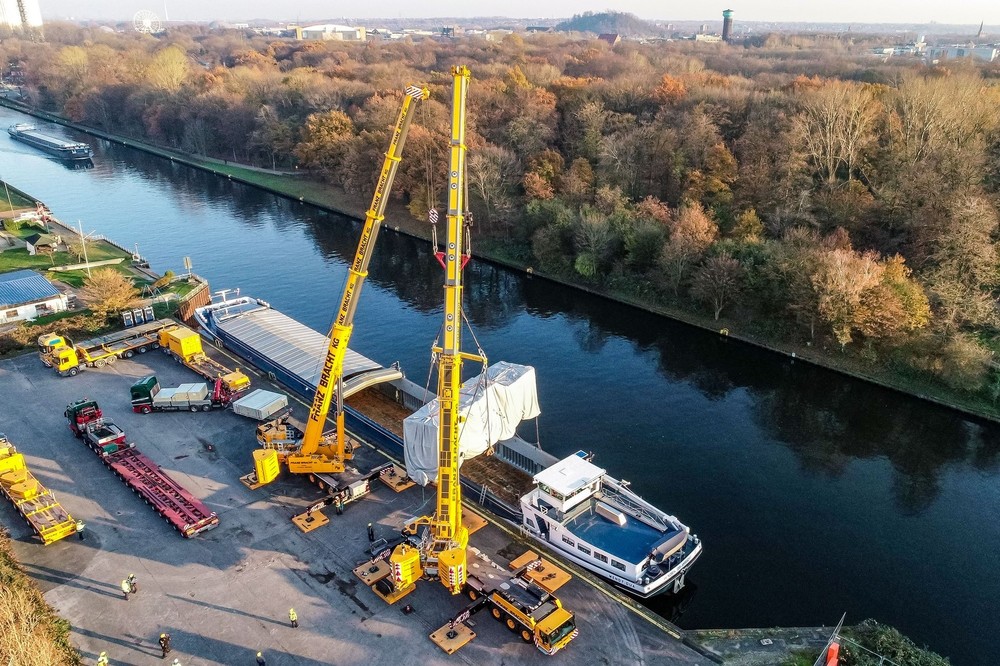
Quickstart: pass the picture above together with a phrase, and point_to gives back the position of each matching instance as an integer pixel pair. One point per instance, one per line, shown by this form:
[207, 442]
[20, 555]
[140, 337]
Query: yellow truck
[69, 358]
[34, 502]
[185, 345]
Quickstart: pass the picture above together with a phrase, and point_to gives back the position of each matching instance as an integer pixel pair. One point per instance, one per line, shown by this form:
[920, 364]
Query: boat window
[566, 539]
[601, 556]
[11, 313]
[529, 521]
[617, 565]
[583, 549]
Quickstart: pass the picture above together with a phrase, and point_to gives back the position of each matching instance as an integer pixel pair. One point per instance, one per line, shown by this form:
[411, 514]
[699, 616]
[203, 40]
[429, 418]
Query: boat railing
[635, 506]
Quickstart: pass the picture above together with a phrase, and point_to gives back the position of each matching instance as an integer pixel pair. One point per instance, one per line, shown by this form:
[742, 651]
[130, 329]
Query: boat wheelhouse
[597, 522]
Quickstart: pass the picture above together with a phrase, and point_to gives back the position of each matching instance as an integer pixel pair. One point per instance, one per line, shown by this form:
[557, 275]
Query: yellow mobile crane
[316, 452]
[443, 554]
[439, 549]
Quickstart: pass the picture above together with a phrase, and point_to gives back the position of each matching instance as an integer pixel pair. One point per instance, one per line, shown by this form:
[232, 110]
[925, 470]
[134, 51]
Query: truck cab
[48, 345]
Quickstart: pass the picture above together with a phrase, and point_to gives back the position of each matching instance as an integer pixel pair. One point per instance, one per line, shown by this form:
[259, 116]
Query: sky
[836, 11]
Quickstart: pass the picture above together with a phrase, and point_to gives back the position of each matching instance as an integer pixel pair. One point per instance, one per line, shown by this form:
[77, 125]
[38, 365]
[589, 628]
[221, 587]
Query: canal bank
[764, 458]
[299, 188]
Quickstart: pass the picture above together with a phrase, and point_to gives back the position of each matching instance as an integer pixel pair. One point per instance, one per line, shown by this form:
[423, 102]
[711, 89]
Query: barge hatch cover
[294, 347]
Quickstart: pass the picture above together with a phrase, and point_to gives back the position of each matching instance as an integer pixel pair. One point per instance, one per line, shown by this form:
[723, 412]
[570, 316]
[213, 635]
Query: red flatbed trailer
[186, 513]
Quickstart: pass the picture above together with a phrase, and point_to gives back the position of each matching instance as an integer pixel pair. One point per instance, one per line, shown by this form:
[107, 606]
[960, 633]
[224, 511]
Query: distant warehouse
[27, 295]
[334, 32]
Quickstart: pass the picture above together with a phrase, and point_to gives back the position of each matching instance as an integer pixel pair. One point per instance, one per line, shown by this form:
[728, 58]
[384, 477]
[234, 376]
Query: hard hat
[260, 654]
[105, 654]
[163, 635]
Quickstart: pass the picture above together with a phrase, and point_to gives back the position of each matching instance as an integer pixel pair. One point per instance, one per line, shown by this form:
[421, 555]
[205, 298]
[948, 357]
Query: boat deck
[630, 543]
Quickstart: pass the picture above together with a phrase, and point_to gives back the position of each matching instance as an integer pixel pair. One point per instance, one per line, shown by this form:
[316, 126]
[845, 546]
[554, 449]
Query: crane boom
[444, 552]
[315, 454]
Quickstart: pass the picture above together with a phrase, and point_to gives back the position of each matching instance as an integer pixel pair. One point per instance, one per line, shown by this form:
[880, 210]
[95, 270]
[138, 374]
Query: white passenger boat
[597, 522]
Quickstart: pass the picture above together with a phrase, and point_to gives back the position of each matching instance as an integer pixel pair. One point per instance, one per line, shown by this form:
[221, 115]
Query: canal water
[814, 494]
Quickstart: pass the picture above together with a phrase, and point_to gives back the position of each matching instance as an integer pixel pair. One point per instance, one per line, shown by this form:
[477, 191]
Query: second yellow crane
[317, 452]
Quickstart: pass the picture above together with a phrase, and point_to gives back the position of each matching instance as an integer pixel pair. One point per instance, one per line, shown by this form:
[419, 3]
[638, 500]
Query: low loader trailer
[185, 346]
[69, 357]
[182, 510]
[36, 503]
[148, 396]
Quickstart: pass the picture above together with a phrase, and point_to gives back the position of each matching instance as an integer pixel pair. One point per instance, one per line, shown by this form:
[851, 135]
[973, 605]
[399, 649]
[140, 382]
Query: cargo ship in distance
[575, 507]
[66, 150]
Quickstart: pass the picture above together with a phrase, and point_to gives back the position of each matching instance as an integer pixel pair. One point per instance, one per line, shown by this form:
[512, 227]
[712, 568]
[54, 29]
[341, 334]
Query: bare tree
[718, 282]
[493, 174]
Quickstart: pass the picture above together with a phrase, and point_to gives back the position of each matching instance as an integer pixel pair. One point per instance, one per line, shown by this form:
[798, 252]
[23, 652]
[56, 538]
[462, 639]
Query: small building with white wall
[332, 31]
[27, 295]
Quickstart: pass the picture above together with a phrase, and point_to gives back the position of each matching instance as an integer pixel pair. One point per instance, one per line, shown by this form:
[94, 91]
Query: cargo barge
[182, 510]
[66, 150]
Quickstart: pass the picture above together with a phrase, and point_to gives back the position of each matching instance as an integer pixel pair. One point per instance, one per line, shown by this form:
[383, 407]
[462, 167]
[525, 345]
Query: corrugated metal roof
[294, 346]
[25, 286]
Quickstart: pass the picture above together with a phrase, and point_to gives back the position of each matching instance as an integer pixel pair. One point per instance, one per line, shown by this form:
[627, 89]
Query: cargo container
[260, 404]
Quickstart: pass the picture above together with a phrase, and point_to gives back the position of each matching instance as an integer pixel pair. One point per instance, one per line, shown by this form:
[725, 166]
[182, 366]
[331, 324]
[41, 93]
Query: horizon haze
[847, 11]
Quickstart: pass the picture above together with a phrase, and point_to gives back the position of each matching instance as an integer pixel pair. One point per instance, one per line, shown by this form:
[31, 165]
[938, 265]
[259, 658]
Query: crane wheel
[526, 636]
[509, 621]
[472, 594]
[497, 615]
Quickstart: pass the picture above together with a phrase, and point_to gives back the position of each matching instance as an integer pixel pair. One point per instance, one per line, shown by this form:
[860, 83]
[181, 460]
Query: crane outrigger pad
[372, 572]
[541, 572]
[395, 477]
[473, 522]
[451, 640]
[310, 520]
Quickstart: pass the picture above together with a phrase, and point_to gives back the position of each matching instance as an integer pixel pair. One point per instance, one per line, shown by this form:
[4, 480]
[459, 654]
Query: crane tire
[526, 636]
[497, 615]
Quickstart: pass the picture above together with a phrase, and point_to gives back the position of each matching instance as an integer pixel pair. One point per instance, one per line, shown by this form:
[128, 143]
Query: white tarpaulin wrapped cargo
[260, 404]
[491, 415]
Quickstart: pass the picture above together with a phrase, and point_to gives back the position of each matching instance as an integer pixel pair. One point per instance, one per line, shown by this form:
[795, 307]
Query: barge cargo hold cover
[291, 352]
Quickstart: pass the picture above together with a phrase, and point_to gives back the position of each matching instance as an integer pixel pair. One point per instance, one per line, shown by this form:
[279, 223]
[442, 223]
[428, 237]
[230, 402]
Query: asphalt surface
[225, 595]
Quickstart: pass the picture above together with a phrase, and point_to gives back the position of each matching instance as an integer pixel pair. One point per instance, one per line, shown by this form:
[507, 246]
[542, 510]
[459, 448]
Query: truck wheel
[146, 409]
[526, 636]
[206, 408]
[497, 615]
[73, 372]
[509, 621]
[100, 363]
[194, 408]
[156, 345]
[129, 354]
[143, 350]
[112, 360]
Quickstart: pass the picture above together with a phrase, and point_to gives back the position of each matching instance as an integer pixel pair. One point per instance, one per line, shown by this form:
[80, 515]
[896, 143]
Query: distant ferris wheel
[146, 22]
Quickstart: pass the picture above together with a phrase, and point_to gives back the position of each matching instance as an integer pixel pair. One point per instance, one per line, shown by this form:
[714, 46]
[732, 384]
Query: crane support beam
[331, 457]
